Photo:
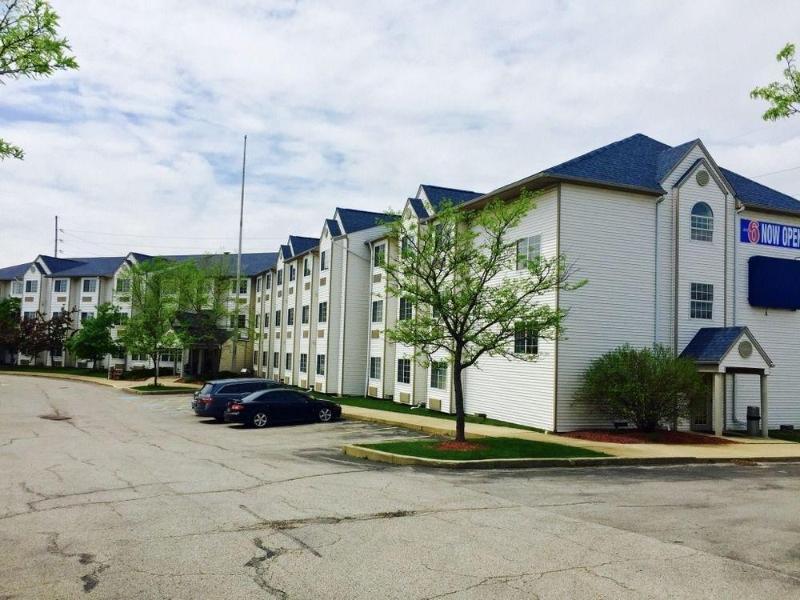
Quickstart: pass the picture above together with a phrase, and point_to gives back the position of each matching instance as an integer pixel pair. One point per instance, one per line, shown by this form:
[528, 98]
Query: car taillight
[236, 406]
[205, 399]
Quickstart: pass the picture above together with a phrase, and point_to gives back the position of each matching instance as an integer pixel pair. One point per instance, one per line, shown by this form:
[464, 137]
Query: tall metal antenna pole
[55, 251]
[238, 263]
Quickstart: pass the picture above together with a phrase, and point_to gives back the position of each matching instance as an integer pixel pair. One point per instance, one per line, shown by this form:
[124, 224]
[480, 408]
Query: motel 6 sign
[765, 233]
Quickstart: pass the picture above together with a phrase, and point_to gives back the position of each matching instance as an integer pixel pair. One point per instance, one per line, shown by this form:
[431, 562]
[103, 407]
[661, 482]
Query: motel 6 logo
[754, 232]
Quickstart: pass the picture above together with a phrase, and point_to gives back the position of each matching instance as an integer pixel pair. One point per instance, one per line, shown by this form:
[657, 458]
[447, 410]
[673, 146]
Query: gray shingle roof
[13, 272]
[437, 194]
[711, 344]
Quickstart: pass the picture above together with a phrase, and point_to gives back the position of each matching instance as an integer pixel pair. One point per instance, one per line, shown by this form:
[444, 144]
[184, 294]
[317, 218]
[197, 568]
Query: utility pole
[55, 251]
[238, 264]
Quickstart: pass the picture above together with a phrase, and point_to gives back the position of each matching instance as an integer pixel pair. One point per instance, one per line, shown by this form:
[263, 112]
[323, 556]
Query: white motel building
[676, 250]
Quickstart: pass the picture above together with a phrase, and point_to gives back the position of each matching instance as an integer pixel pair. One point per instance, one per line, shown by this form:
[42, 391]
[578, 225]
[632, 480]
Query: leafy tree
[30, 47]
[94, 340]
[33, 337]
[649, 387]
[9, 324]
[203, 287]
[58, 328]
[471, 292]
[154, 307]
[784, 97]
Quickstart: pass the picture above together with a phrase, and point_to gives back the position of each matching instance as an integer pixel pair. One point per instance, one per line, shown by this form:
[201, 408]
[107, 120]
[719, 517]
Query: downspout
[369, 318]
[675, 267]
[343, 316]
[558, 299]
[655, 286]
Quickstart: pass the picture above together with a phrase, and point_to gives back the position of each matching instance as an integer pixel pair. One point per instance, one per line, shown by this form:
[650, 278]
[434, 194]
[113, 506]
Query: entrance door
[701, 409]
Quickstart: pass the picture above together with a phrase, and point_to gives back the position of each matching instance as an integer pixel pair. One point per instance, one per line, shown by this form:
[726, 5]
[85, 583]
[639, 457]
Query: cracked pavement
[135, 497]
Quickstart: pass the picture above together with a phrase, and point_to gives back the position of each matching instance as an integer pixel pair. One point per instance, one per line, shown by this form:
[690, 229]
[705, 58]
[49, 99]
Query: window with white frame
[31, 286]
[304, 363]
[379, 256]
[439, 375]
[404, 370]
[288, 362]
[279, 280]
[264, 358]
[89, 286]
[60, 286]
[526, 340]
[323, 260]
[258, 319]
[28, 315]
[406, 309]
[305, 314]
[258, 284]
[528, 249]
[320, 364]
[292, 272]
[269, 281]
[702, 301]
[85, 316]
[702, 222]
[123, 286]
[377, 311]
[17, 287]
[277, 318]
[306, 266]
[374, 367]
[276, 357]
[322, 316]
[56, 353]
[290, 316]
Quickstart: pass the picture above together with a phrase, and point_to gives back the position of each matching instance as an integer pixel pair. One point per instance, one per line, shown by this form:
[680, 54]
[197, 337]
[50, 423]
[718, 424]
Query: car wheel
[260, 420]
[219, 419]
[325, 414]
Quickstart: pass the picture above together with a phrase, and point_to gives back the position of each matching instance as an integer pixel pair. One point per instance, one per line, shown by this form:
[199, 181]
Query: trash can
[753, 420]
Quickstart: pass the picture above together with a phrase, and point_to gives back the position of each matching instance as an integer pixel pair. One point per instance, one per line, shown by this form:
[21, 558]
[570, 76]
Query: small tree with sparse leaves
[472, 293]
[783, 96]
[94, 340]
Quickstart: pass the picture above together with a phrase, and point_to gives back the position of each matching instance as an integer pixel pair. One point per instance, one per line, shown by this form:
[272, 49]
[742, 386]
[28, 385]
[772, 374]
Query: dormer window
[702, 222]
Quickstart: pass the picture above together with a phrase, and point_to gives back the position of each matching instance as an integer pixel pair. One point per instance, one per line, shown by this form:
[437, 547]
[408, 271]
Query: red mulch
[640, 437]
[460, 446]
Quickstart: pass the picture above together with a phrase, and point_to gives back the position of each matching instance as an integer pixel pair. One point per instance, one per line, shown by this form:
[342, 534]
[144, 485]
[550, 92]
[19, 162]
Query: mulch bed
[460, 446]
[640, 437]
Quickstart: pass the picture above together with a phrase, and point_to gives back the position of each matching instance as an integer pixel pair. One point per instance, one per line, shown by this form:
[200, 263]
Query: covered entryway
[723, 351]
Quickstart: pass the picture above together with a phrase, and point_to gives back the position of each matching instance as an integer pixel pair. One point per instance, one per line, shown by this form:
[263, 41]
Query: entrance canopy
[727, 350]
[724, 350]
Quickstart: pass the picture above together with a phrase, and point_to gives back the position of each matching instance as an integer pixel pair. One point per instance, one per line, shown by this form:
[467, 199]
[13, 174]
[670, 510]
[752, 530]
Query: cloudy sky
[357, 103]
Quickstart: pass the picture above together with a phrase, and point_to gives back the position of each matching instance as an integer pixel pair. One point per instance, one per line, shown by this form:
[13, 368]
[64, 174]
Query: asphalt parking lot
[135, 497]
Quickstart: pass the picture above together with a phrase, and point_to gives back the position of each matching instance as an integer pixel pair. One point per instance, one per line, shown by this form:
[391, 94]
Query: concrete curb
[158, 393]
[356, 451]
[431, 430]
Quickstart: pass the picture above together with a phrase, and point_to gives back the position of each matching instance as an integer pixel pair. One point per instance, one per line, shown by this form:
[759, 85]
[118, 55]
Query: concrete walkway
[120, 384]
[745, 448]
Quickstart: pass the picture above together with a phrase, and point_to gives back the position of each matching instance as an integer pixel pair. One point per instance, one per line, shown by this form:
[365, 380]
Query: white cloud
[355, 104]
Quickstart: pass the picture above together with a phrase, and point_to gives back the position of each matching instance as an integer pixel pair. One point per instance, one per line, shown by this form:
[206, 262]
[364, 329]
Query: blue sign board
[765, 233]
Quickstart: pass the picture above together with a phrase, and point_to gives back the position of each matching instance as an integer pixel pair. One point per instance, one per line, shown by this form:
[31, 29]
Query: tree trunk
[459, 393]
[155, 363]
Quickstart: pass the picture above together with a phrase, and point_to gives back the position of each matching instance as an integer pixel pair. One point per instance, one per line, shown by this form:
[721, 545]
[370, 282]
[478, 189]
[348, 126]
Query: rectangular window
[139, 357]
[31, 286]
[528, 249]
[276, 357]
[377, 311]
[55, 314]
[266, 321]
[304, 363]
[306, 266]
[305, 315]
[406, 309]
[258, 284]
[439, 375]
[288, 361]
[264, 358]
[123, 318]
[269, 281]
[166, 358]
[16, 287]
[292, 272]
[320, 364]
[403, 370]
[323, 313]
[280, 277]
[28, 316]
[243, 286]
[277, 318]
[379, 256]
[323, 260]
[405, 245]
[702, 301]
[241, 321]
[85, 316]
[375, 367]
[56, 353]
[258, 318]
[290, 316]
[60, 286]
[89, 286]
[123, 286]
[526, 340]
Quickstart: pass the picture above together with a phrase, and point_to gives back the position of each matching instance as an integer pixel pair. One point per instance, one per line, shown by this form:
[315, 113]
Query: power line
[112, 246]
[177, 237]
[776, 172]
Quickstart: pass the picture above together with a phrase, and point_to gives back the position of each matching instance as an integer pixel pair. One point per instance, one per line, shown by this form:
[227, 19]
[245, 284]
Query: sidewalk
[120, 384]
[745, 449]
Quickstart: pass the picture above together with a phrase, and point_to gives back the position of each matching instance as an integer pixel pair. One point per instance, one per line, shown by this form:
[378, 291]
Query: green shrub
[649, 387]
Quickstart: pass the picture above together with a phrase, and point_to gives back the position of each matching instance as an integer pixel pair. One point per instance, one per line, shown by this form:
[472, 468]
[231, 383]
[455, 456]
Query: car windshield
[253, 396]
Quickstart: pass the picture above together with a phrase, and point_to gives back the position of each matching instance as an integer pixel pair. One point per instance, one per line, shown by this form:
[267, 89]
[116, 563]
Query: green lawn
[492, 448]
[163, 389]
[786, 434]
[101, 373]
[390, 406]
